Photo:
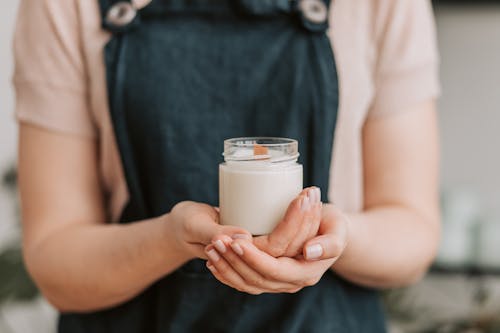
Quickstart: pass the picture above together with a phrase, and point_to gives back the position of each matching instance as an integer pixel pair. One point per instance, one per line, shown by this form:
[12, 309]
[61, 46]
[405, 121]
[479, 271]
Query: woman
[123, 108]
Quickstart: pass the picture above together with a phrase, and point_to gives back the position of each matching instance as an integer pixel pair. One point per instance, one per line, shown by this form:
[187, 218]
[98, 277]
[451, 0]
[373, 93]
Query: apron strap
[119, 16]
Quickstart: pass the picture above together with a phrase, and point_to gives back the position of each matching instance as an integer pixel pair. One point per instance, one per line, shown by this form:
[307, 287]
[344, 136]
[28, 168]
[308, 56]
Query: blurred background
[462, 291]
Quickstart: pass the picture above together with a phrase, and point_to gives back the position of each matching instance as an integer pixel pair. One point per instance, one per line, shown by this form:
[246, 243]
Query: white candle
[257, 182]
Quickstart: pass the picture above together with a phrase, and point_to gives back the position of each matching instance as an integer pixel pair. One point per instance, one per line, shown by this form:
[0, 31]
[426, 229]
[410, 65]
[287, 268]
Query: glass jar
[257, 181]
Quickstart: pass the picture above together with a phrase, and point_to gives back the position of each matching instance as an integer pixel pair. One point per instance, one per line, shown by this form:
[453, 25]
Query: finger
[310, 223]
[205, 229]
[226, 274]
[314, 227]
[231, 252]
[218, 276]
[284, 269]
[332, 241]
[199, 251]
[277, 242]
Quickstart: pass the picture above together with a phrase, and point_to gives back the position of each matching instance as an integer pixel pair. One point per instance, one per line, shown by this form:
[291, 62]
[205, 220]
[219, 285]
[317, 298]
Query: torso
[355, 55]
[180, 80]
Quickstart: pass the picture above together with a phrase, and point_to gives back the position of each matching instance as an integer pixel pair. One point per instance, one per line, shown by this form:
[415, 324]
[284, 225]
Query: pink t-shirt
[386, 57]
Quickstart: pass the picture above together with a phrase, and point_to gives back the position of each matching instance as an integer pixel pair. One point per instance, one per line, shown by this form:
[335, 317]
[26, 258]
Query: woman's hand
[194, 226]
[240, 264]
[301, 223]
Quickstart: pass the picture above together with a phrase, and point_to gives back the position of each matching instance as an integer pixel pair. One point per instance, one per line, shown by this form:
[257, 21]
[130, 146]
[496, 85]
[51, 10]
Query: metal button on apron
[121, 14]
[315, 11]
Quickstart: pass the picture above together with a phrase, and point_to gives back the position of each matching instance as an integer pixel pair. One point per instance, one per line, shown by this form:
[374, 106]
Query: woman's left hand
[238, 263]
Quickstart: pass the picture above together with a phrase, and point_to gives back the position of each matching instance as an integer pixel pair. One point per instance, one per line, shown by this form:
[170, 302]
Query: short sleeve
[406, 71]
[50, 77]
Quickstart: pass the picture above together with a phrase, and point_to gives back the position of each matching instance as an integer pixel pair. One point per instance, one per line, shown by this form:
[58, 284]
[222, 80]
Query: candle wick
[259, 150]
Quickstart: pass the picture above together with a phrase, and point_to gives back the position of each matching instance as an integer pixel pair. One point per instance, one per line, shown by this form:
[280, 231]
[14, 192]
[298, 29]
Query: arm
[80, 262]
[394, 240]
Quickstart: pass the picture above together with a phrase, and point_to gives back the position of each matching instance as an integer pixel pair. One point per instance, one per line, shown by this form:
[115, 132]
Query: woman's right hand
[195, 224]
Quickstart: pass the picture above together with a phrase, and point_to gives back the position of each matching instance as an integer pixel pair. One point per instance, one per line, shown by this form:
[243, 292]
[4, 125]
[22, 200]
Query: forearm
[388, 247]
[89, 267]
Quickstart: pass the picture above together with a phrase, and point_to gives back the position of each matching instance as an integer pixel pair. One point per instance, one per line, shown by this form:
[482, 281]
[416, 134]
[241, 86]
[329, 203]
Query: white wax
[255, 195]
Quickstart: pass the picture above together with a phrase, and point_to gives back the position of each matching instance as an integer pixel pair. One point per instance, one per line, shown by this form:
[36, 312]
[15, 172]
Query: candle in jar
[258, 180]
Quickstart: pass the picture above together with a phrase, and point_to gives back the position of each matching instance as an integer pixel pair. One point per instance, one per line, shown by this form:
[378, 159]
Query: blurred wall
[469, 42]
[7, 125]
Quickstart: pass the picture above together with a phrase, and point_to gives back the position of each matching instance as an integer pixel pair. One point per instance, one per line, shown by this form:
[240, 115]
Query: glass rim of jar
[243, 141]
[289, 148]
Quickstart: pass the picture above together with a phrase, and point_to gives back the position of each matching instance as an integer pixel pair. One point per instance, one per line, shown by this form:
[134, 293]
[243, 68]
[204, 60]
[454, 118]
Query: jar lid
[269, 149]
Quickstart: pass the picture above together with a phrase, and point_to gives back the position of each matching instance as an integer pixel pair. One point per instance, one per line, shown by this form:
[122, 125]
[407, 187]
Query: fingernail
[312, 196]
[219, 245]
[213, 255]
[314, 251]
[240, 236]
[237, 248]
[305, 204]
[318, 194]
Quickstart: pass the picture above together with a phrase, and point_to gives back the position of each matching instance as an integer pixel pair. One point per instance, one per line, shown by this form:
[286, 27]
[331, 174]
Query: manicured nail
[219, 245]
[213, 255]
[312, 196]
[318, 194]
[313, 193]
[314, 251]
[240, 236]
[237, 248]
[305, 204]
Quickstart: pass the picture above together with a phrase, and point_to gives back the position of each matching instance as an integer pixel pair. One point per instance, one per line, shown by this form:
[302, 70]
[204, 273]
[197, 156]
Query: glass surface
[269, 149]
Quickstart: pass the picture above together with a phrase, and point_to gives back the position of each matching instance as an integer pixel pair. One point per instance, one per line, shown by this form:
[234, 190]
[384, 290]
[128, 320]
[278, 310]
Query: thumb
[232, 231]
[323, 247]
[332, 241]
[207, 231]
[204, 225]
[228, 230]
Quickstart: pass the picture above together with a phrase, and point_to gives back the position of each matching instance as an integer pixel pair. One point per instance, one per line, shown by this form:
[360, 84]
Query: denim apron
[182, 76]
